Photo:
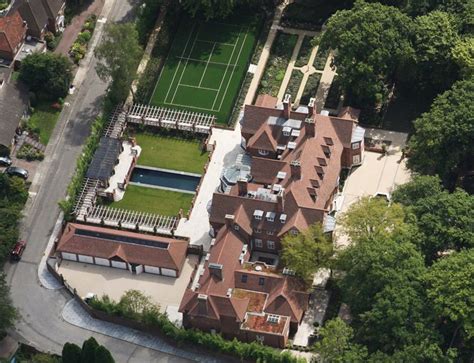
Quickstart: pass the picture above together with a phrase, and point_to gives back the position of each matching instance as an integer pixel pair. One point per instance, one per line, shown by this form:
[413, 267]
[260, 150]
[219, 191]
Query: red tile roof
[12, 32]
[99, 242]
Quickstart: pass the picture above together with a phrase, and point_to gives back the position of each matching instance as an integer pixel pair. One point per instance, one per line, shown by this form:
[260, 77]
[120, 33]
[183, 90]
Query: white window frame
[258, 242]
[273, 319]
[355, 145]
[257, 230]
[263, 152]
[294, 232]
[356, 159]
[271, 245]
[270, 232]
[236, 227]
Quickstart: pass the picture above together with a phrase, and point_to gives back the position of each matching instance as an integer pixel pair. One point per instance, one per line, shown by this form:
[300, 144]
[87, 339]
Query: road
[40, 323]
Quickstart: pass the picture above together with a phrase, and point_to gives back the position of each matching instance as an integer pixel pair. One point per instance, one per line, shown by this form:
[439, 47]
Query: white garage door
[119, 264]
[86, 259]
[102, 261]
[139, 269]
[168, 272]
[152, 270]
[69, 256]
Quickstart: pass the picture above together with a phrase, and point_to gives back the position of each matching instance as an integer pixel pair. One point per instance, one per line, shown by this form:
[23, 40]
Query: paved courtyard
[377, 174]
[165, 291]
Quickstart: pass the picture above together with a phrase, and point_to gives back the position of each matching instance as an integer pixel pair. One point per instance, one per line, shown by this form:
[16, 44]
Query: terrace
[268, 323]
[257, 300]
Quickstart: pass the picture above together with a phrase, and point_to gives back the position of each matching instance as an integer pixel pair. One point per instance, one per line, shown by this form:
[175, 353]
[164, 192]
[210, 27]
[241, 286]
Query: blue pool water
[165, 179]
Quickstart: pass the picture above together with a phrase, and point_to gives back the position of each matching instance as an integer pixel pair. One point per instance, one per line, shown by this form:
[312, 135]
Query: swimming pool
[165, 179]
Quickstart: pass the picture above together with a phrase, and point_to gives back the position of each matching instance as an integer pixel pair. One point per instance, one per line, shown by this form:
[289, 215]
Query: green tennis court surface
[205, 66]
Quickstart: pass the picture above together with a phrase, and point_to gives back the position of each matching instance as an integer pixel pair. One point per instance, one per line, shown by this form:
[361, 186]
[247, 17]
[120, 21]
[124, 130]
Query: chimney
[287, 106]
[242, 186]
[280, 201]
[229, 220]
[311, 106]
[215, 269]
[310, 127]
[295, 168]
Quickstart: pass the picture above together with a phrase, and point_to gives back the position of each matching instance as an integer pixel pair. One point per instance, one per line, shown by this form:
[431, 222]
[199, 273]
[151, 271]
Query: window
[258, 214]
[270, 232]
[244, 279]
[236, 227]
[274, 319]
[294, 232]
[258, 242]
[355, 145]
[271, 215]
[271, 245]
[261, 281]
[257, 230]
[356, 159]
[259, 338]
[263, 152]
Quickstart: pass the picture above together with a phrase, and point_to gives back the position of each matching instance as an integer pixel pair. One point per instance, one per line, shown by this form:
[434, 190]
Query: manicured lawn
[43, 120]
[171, 153]
[151, 200]
[206, 64]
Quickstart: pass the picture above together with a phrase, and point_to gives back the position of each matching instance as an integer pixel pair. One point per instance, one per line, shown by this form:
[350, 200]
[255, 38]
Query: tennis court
[205, 67]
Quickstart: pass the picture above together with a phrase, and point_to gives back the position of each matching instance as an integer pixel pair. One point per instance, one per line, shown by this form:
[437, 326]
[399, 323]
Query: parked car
[5, 161]
[16, 171]
[17, 251]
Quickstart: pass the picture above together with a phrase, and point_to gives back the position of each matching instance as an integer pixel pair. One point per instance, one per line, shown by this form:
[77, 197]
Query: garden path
[307, 70]
[289, 69]
[324, 84]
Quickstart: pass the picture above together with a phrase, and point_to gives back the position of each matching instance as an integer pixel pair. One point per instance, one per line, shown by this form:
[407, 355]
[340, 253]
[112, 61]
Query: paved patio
[165, 291]
[377, 174]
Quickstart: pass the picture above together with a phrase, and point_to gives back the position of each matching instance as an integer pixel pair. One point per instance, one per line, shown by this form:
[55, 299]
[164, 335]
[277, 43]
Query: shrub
[84, 37]
[29, 153]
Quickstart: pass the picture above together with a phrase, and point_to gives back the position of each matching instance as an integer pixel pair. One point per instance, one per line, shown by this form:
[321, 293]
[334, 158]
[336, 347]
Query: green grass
[206, 65]
[43, 120]
[305, 52]
[171, 153]
[151, 200]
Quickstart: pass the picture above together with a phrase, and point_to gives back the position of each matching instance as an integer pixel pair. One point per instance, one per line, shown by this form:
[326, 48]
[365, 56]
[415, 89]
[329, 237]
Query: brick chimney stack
[287, 106]
[242, 186]
[295, 168]
[311, 106]
[229, 220]
[310, 127]
[216, 270]
[280, 201]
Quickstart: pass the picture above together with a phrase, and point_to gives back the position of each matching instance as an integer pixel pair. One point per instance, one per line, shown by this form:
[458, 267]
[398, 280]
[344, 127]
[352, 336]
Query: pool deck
[171, 171]
[160, 187]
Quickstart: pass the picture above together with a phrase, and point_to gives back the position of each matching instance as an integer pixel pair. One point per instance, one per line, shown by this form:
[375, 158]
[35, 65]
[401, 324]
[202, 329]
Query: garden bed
[294, 83]
[171, 153]
[280, 55]
[321, 59]
[153, 200]
[29, 153]
[43, 120]
[305, 52]
[79, 47]
[310, 88]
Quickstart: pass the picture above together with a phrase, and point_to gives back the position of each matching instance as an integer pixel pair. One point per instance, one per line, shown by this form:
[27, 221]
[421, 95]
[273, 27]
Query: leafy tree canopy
[119, 54]
[306, 252]
[463, 55]
[88, 350]
[8, 313]
[443, 142]
[210, 8]
[71, 353]
[47, 73]
[372, 42]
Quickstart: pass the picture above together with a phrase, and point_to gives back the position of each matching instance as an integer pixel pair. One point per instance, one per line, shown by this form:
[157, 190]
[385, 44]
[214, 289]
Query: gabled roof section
[263, 140]
[12, 32]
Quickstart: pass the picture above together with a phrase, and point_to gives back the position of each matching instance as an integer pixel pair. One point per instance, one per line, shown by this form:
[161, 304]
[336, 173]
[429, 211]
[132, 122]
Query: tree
[307, 251]
[372, 218]
[102, 355]
[47, 73]
[443, 220]
[88, 350]
[71, 353]
[133, 303]
[443, 142]
[119, 54]
[8, 313]
[336, 346]
[371, 42]
[450, 288]
[435, 35]
[463, 55]
[209, 8]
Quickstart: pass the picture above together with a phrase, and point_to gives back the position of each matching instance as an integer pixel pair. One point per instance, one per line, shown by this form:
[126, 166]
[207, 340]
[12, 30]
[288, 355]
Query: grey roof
[34, 13]
[281, 121]
[105, 158]
[13, 103]
[52, 7]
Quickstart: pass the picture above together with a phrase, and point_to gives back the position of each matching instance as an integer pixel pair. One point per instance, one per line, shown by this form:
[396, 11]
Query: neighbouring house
[131, 251]
[13, 105]
[12, 35]
[297, 157]
[41, 15]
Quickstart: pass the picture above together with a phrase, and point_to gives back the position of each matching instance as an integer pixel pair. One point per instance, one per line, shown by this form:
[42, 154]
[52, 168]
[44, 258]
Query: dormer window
[319, 171]
[322, 162]
[326, 151]
[283, 218]
[312, 193]
[281, 175]
[291, 145]
[271, 216]
[236, 227]
[276, 188]
[355, 145]
[314, 183]
[263, 152]
[286, 131]
[258, 214]
[294, 232]
[328, 141]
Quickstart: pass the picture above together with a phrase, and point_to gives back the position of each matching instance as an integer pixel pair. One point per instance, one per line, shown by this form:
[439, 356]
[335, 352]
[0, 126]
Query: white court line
[179, 64]
[207, 64]
[232, 75]
[203, 61]
[188, 106]
[208, 41]
[225, 73]
[184, 70]
[198, 87]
